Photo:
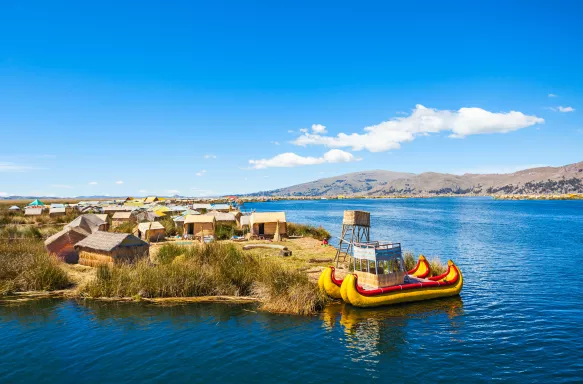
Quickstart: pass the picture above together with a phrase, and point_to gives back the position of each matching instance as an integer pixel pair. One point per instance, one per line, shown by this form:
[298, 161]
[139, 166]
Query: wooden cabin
[378, 264]
[199, 225]
[107, 248]
[62, 244]
[120, 218]
[150, 231]
[265, 224]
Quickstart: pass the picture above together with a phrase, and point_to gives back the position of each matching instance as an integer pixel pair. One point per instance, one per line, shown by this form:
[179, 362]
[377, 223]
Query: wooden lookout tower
[355, 229]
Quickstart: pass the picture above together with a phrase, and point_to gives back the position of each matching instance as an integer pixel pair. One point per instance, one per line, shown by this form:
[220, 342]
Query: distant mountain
[543, 180]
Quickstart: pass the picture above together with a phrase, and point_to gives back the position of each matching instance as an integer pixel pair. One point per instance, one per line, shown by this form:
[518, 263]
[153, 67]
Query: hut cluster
[87, 239]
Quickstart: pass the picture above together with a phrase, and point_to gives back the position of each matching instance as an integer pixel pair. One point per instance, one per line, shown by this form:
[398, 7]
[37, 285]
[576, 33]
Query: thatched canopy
[14, 208]
[148, 226]
[267, 217]
[89, 223]
[222, 216]
[62, 243]
[109, 241]
[122, 216]
[199, 219]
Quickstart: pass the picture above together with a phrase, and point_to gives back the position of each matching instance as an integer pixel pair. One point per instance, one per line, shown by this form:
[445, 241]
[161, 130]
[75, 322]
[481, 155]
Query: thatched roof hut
[119, 218]
[14, 208]
[199, 225]
[89, 223]
[267, 223]
[224, 218]
[62, 243]
[150, 231]
[244, 221]
[110, 248]
[150, 199]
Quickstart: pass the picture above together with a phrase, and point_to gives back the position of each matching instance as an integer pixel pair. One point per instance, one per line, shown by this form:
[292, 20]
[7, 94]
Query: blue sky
[207, 98]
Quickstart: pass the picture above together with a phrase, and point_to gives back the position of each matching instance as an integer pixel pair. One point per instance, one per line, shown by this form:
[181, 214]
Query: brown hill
[542, 180]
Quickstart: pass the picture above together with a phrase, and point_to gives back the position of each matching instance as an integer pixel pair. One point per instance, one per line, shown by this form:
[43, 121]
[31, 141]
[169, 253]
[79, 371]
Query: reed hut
[150, 199]
[150, 231]
[223, 218]
[267, 224]
[107, 248]
[62, 244]
[244, 222]
[14, 208]
[199, 225]
[120, 218]
[89, 223]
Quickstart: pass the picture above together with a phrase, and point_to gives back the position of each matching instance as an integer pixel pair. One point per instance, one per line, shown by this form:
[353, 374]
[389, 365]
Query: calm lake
[519, 317]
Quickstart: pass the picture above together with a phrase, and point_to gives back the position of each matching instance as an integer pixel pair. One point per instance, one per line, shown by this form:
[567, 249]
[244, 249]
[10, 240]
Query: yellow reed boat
[379, 278]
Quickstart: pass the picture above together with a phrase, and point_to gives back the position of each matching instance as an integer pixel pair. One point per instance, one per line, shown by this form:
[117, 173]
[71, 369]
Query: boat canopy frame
[387, 254]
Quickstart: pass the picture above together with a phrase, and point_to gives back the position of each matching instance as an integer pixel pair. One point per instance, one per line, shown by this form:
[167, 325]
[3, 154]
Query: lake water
[519, 317]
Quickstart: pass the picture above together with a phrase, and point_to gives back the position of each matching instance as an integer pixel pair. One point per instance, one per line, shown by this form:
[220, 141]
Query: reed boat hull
[422, 269]
[329, 284]
[446, 285]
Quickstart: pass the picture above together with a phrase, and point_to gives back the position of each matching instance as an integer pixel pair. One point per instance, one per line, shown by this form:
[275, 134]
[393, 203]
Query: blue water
[519, 317]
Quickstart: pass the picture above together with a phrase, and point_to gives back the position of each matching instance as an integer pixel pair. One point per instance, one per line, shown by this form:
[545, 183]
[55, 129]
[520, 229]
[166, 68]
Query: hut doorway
[261, 229]
[190, 229]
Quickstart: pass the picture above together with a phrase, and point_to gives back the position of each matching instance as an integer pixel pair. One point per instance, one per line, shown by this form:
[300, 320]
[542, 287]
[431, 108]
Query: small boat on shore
[379, 278]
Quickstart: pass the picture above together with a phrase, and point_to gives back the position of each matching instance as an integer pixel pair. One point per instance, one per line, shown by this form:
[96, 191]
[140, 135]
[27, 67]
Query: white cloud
[401, 113]
[290, 131]
[4, 194]
[303, 130]
[319, 129]
[11, 167]
[119, 182]
[423, 121]
[553, 95]
[61, 186]
[172, 191]
[201, 172]
[275, 142]
[566, 109]
[143, 191]
[210, 156]
[289, 159]
[93, 183]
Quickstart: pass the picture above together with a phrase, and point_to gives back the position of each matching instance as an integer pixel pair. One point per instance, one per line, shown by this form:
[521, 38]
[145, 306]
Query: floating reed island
[164, 253]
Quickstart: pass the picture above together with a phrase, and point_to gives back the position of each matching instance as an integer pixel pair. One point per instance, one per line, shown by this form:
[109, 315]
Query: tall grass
[435, 264]
[318, 233]
[26, 266]
[208, 270]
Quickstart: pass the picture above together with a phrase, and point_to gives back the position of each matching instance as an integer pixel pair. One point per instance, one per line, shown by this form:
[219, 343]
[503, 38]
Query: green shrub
[211, 269]
[318, 233]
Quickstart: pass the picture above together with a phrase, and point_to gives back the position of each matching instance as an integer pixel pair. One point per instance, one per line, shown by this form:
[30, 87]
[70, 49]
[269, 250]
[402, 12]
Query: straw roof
[222, 216]
[102, 216]
[201, 206]
[14, 208]
[57, 210]
[150, 199]
[109, 241]
[122, 215]
[88, 222]
[70, 235]
[267, 217]
[199, 219]
[244, 220]
[148, 226]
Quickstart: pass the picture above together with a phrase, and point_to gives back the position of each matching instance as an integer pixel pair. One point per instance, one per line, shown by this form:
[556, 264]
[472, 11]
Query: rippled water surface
[519, 317]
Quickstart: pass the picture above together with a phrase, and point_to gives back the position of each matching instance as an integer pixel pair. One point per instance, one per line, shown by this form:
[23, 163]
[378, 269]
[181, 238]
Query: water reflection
[370, 333]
